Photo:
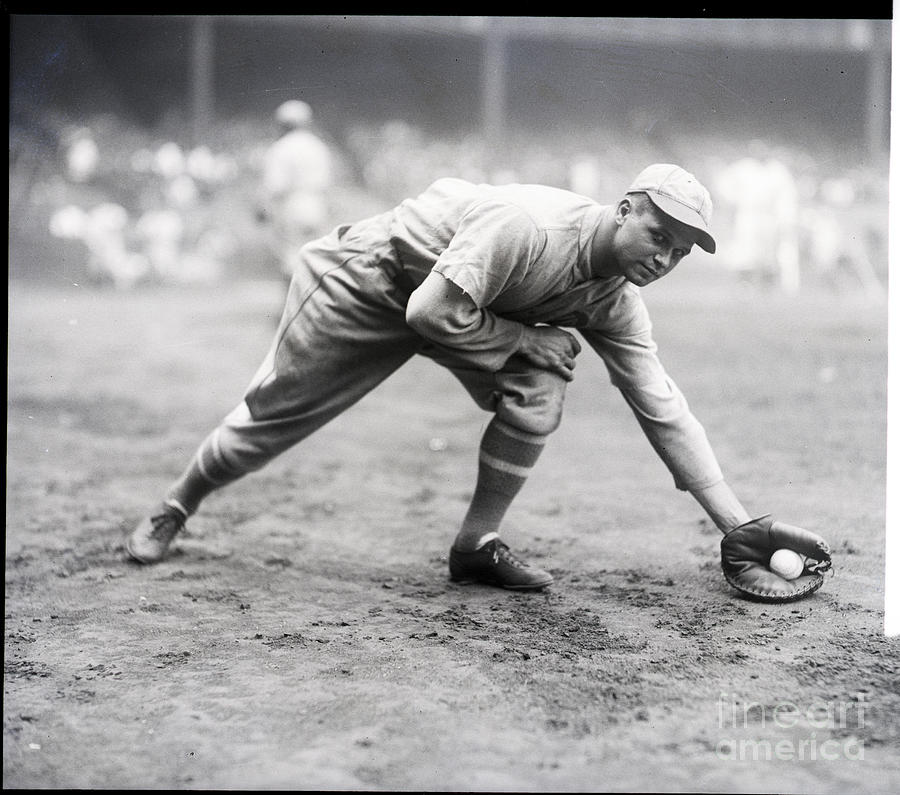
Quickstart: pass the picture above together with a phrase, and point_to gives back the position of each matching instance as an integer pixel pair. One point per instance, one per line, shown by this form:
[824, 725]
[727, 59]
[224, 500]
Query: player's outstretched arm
[721, 505]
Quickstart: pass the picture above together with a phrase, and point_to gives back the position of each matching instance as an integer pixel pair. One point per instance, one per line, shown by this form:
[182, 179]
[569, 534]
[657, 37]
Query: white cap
[294, 113]
[679, 195]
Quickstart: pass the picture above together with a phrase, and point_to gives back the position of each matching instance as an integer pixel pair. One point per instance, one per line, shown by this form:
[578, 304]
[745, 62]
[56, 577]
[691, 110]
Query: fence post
[493, 89]
[202, 80]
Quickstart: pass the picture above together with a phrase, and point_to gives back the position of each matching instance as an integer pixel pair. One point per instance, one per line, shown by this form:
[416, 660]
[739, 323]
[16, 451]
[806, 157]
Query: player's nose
[662, 261]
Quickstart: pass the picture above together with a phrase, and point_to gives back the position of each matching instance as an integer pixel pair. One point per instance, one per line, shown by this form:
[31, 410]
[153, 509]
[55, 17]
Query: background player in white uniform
[297, 174]
[481, 279]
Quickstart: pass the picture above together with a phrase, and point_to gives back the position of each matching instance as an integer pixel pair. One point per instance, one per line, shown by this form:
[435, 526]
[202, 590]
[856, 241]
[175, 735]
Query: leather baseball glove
[745, 560]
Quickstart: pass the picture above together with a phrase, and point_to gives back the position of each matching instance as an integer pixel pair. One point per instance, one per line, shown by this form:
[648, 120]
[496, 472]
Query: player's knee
[535, 406]
[540, 420]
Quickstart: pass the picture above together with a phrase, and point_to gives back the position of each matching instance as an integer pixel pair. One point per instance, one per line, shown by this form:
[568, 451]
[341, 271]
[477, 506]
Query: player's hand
[550, 348]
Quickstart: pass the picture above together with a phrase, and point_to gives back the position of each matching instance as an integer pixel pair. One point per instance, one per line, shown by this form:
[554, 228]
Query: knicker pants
[343, 331]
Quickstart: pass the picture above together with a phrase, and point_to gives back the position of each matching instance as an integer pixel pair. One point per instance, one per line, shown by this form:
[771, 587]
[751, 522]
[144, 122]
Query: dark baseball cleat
[149, 543]
[494, 564]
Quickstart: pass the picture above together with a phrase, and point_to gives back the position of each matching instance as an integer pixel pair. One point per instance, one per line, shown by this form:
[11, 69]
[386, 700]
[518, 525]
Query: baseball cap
[680, 195]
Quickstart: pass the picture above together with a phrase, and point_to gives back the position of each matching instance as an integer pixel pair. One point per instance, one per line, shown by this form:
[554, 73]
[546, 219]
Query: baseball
[786, 563]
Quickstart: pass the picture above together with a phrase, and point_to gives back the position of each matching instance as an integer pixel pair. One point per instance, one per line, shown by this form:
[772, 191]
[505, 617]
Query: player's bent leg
[505, 459]
[527, 405]
[506, 456]
[232, 450]
[528, 398]
[244, 443]
[341, 334]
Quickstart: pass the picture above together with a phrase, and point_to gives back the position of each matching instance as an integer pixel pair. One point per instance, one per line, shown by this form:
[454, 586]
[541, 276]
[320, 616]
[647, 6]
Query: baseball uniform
[520, 252]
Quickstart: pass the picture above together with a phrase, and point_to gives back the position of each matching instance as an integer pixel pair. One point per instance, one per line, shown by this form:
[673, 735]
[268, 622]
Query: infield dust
[305, 634]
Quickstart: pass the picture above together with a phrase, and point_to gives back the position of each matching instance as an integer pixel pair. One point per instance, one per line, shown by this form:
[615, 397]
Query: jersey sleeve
[630, 355]
[492, 248]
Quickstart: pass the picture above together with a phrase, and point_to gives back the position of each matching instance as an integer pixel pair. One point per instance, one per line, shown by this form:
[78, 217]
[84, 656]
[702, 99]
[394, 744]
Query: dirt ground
[306, 636]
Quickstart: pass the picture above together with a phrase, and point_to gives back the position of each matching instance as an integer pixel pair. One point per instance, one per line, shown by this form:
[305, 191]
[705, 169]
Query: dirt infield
[305, 635]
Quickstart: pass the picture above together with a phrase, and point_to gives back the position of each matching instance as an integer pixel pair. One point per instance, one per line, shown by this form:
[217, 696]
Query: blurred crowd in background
[118, 206]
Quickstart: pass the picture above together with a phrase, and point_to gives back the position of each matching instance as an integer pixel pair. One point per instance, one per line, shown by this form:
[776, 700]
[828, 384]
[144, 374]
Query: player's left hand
[550, 348]
[745, 560]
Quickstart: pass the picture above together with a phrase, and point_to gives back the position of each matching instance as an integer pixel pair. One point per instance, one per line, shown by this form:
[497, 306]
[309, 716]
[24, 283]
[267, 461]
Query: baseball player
[486, 281]
[296, 177]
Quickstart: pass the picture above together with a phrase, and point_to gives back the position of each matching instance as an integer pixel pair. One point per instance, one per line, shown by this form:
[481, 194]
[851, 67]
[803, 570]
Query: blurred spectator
[103, 230]
[210, 169]
[386, 157]
[837, 230]
[204, 262]
[161, 232]
[182, 192]
[81, 154]
[75, 165]
[68, 223]
[169, 161]
[173, 229]
[297, 175]
[584, 176]
[761, 197]
[398, 159]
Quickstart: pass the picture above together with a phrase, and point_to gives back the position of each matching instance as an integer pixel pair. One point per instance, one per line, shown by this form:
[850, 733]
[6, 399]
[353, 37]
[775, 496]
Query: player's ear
[623, 210]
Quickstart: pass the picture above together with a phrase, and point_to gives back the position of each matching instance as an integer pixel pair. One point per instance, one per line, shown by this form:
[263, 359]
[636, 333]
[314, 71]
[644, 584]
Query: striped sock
[189, 490]
[505, 460]
[206, 472]
[233, 449]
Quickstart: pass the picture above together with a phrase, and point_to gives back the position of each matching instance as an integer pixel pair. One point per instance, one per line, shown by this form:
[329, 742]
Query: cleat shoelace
[166, 526]
[502, 551]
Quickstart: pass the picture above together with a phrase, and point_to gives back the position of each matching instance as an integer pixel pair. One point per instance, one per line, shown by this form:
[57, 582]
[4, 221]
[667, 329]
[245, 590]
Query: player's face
[648, 245]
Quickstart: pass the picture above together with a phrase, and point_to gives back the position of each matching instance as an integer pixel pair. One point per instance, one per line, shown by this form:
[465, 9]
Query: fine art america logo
[787, 731]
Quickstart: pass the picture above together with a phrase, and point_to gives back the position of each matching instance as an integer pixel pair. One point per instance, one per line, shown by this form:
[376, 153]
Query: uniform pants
[343, 331]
